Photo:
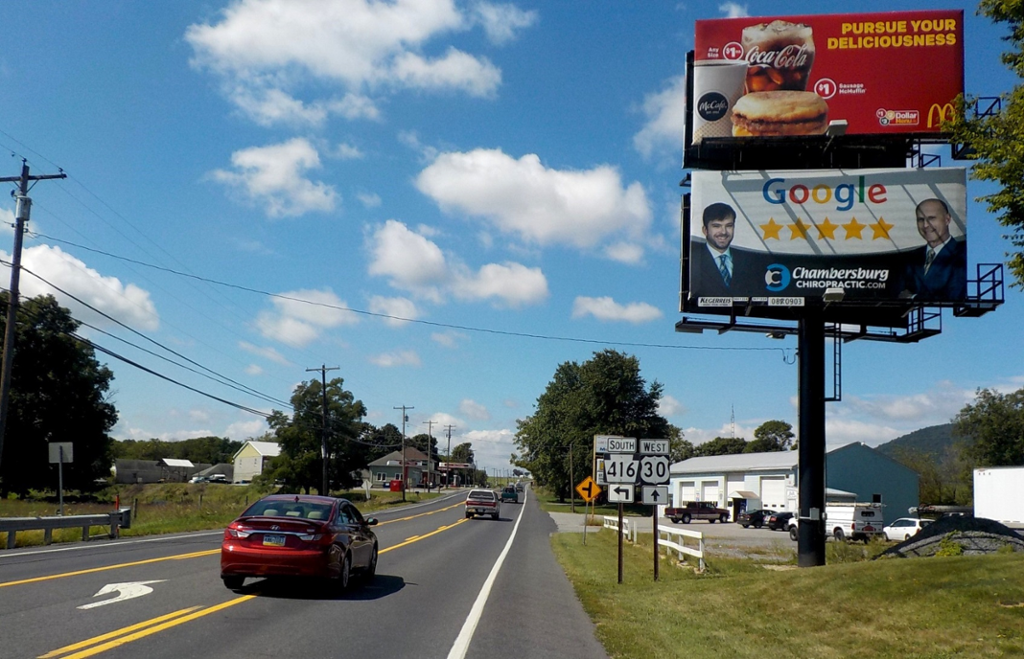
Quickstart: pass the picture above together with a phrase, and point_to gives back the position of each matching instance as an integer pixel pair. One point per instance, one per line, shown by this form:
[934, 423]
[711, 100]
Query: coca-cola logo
[790, 57]
[712, 106]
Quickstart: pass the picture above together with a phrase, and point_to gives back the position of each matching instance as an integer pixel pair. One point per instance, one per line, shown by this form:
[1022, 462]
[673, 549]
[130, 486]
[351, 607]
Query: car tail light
[237, 531]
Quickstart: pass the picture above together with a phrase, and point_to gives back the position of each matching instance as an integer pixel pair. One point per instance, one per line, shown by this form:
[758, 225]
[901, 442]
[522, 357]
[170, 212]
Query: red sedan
[301, 536]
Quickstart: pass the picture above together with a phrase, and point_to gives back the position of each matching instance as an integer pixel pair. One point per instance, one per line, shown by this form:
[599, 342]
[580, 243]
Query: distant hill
[932, 441]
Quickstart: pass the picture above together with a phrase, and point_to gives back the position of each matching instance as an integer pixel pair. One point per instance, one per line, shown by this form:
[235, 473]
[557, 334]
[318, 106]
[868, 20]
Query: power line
[430, 323]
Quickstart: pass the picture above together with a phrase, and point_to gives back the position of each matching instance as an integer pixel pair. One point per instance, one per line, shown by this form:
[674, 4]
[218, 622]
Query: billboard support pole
[811, 529]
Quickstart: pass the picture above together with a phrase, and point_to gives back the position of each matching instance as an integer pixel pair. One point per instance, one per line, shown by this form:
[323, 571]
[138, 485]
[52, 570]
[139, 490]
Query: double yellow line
[97, 644]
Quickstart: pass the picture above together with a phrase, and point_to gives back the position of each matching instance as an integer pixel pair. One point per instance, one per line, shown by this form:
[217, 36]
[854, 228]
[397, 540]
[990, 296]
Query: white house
[250, 460]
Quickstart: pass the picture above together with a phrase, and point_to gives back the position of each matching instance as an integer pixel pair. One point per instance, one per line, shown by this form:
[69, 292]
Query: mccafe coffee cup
[717, 85]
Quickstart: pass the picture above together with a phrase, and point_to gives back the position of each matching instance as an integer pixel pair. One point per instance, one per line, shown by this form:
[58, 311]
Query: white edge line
[112, 543]
[461, 646]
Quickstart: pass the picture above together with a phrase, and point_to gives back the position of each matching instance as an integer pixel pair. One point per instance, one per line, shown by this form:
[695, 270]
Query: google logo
[845, 195]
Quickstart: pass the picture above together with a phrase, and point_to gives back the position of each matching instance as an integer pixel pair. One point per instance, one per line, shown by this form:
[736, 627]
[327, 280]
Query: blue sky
[507, 174]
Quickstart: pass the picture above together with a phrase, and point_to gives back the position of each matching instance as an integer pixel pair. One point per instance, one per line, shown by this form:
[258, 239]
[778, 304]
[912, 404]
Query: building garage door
[709, 492]
[687, 492]
[773, 493]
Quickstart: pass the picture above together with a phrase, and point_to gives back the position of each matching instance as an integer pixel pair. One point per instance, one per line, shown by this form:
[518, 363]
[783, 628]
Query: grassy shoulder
[965, 606]
[550, 503]
[176, 508]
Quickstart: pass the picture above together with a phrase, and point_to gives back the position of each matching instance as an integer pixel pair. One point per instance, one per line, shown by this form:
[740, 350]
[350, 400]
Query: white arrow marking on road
[126, 591]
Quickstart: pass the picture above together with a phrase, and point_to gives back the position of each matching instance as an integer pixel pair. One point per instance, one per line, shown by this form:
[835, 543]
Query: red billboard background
[883, 73]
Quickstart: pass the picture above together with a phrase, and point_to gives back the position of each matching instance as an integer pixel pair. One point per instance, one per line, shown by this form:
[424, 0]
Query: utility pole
[23, 209]
[405, 473]
[323, 431]
[448, 473]
[430, 443]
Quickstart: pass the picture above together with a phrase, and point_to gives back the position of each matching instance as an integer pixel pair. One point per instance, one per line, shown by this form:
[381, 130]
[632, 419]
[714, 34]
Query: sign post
[589, 490]
[61, 452]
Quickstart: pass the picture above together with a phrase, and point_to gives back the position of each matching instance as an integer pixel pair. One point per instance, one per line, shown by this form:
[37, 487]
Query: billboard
[779, 238]
[882, 73]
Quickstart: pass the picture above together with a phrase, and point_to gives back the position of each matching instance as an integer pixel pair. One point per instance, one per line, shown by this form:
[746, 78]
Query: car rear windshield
[304, 510]
[485, 495]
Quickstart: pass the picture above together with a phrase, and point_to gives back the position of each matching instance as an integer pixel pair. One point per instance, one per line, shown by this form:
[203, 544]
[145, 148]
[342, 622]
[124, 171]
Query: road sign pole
[656, 556]
[620, 543]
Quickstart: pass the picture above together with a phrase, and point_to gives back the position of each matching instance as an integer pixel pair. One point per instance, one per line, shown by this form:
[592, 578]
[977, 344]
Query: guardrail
[119, 519]
[681, 546]
[629, 530]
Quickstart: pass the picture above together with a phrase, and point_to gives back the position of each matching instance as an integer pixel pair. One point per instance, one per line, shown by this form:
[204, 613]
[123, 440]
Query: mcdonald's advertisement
[882, 73]
[880, 235]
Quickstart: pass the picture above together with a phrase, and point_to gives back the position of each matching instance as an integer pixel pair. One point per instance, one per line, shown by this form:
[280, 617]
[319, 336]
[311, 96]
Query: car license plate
[273, 541]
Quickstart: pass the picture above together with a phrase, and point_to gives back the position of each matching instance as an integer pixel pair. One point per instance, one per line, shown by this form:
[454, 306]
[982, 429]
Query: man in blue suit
[717, 269]
[937, 271]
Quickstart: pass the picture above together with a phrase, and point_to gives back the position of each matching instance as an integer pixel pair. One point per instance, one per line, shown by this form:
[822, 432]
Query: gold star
[798, 230]
[853, 229]
[827, 230]
[880, 229]
[771, 230]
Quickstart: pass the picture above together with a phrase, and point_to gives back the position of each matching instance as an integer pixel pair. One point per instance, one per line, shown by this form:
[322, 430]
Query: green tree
[59, 393]
[996, 139]
[992, 429]
[771, 436]
[300, 464]
[679, 449]
[420, 441]
[381, 441]
[722, 446]
[603, 396]
[463, 453]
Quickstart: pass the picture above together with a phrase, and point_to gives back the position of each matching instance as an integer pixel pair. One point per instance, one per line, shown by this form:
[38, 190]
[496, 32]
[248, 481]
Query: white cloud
[511, 284]
[243, 430]
[272, 177]
[399, 307]
[254, 370]
[540, 205]
[629, 253]
[448, 339]
[669, 406]
[268, 52]
[369, 199]
[125, 302]
[666, 120]
[414, 263]
[399, 358]
[606, 308]
[7, 222]
[474, 410]
[296, 322]
[733, 10]
[266, 352]
[491, 448]
[347, 152]
[501, 21]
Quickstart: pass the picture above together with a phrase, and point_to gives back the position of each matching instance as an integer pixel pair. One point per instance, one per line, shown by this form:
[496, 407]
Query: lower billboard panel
[777, 239]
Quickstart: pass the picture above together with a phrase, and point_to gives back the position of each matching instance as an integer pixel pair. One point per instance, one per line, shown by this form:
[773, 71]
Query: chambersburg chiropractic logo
[777, 277]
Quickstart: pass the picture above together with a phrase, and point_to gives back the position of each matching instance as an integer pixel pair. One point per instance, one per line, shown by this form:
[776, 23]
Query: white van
[856, 521]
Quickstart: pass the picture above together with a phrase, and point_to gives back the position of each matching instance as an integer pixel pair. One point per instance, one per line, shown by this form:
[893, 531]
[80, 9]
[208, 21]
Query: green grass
[173, 508]
[550, 503]
[935, 608]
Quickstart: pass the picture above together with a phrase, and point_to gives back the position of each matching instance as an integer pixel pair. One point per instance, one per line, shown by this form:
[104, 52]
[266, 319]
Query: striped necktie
[723, 267]
[928, 259]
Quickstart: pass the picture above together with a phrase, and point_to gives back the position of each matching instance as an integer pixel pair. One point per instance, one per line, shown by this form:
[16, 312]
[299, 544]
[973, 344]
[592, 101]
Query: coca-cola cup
[779, 55]
[717, 85]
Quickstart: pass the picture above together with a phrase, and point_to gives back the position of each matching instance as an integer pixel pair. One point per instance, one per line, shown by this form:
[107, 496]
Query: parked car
[753, 518]
[697, 510]
[854, 521]
[510, 493]
[199, 479]
[218, 478]
[483, 502]
[779, 521]
[904, 528]
[299, 535]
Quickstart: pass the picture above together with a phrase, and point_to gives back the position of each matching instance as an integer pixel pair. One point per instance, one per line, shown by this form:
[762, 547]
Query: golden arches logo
[942, 112]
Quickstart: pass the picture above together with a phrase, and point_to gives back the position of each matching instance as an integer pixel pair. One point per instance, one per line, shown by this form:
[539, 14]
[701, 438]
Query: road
[446, 587]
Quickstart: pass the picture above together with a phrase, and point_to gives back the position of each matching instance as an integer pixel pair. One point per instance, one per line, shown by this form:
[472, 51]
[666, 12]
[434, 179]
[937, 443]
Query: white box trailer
[999, 494]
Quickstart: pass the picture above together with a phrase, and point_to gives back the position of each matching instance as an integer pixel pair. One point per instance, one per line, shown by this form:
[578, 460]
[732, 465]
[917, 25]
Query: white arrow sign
[126, 591]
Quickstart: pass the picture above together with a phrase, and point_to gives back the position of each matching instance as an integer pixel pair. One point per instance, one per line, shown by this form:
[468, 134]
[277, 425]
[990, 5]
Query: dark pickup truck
[697, 510]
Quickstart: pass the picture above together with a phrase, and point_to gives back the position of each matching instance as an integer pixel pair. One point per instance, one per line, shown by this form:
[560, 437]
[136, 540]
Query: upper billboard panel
[881, 235]
[882, 73]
